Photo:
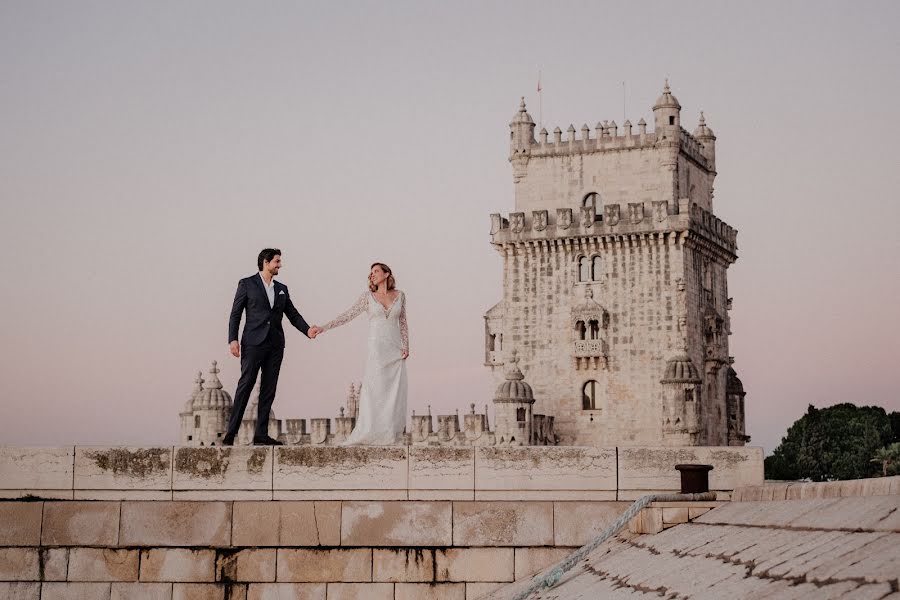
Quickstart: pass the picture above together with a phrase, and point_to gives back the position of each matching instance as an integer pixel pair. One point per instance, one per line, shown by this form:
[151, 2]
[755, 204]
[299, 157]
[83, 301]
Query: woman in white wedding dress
[382, 400]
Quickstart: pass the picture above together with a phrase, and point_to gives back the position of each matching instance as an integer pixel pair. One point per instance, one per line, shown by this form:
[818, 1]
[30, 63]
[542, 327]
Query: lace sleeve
[404, 326]
[348, 315]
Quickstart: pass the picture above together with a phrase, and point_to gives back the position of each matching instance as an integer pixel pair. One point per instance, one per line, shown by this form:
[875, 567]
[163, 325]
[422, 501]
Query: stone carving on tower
[615, 283]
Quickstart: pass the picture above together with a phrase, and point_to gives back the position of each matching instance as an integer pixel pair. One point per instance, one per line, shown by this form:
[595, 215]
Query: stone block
[208, 591]
[256, 565]
[648, 521]
[545, 468]
[321, 565]
[178, 564]
[208, 495]
[102, 564]
[475, 564]
[31, 495]
[19, 590]
[19, 564]
[360, 591]
[534, 560]
[56, 563]
[20, 523]
[502, 524]
[653, 468]
[341, 468]
[403, 564]
[286, 523]
[547, 495]
[36, 468]
[75, 591]
[286, 591]
[329, 495]
[577, 523]
[81, 524]
[430, 591]
[223, 468]
[176, 524]
[396, 524]
[441, 468]
[440, 495]
[124, 469]
[674, 516]
[141, 591]
[477, 591]
[693, 513]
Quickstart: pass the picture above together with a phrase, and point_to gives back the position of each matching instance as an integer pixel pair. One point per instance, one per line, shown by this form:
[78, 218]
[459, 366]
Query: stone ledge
[802, 490]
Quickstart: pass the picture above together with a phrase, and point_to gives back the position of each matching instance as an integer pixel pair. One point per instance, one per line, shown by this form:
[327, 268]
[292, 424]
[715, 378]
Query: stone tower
[514, 408]
[615, 282]
[206, 413]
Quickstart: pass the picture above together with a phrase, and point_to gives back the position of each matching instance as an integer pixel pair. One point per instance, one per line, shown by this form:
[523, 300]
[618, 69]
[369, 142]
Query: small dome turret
[198, 387]
[212, 396]
[703, 133]
[667, 99]
[515, 388]
[667, 110]
[680, 369]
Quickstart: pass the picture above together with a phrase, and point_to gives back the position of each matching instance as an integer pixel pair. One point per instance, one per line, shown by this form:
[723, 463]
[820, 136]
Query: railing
[588, 348]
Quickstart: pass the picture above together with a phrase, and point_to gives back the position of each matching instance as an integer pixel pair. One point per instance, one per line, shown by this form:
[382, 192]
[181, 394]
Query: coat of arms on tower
[611, 215]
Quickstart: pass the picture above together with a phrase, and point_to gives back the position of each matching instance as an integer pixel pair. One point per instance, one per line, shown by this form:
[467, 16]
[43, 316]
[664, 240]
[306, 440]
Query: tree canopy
[832, 443]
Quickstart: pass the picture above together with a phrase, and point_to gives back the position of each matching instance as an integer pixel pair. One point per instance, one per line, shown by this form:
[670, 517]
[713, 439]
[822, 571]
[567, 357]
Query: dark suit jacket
[251, 296]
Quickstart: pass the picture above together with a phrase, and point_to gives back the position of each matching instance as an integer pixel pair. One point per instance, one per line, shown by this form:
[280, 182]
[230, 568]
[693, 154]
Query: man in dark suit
[262, 345]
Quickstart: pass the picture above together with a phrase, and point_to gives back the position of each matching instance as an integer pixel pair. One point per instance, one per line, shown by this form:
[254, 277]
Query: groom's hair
[266, 255]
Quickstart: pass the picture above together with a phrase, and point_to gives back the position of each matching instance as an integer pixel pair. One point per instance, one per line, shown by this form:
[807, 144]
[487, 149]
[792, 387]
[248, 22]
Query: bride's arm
[348, 315]
[404, 326]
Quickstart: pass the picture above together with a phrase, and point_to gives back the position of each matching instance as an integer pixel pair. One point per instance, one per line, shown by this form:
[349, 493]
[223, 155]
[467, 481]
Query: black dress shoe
[267, 441]
[228, 441]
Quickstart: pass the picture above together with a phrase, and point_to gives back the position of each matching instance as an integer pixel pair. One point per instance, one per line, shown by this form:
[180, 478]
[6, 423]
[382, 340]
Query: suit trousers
[266, 359]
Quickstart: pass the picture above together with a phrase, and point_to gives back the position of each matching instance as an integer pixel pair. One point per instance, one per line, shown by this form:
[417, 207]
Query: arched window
[589, 395]
[581, 330]
[596, 268]
[590, 200]
[594, 329]
[492, 340]
[196, 421]
[584, 269]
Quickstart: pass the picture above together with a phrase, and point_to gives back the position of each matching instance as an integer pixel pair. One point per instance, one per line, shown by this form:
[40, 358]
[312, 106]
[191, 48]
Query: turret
[707, 139]
[521, 139]
[513, 408]
[681, 402]
[667, 111]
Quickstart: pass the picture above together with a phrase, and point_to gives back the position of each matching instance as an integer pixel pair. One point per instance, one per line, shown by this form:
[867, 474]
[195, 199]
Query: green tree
[889, 459]
[831, 443]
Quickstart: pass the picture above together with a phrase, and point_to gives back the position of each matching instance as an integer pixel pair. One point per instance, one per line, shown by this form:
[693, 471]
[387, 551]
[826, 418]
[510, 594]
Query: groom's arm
[234, 320]
[295, 317]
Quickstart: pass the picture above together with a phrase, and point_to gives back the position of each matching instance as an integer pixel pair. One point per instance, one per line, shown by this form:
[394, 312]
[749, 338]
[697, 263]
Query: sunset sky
[149, 150]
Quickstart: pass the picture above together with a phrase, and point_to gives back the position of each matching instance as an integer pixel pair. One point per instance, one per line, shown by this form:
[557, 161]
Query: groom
[262, 345]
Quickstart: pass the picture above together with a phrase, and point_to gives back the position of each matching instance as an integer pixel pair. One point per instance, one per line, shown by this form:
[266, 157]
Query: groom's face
[273, 265]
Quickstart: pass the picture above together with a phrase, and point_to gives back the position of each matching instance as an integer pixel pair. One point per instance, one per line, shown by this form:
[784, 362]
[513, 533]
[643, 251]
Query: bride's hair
[391, 282]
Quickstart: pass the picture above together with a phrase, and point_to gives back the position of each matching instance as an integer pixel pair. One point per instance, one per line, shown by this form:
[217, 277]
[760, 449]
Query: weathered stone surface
[403, 564]
[178, 564]
[476, 591]
[653, 469]
[314, 565]
[287, 523]
[176, 524]
[441, 468]
[545, 468]
[647, 521]
[502, 523]
[103, 564]
[360, 591]
[20, 523]
[80, 524]
[121, 468]
[75, 591]
[208, 591]
[286, 591]
[18, 590]
[19, 564]
[577, 523]
[115, 495]
[141, 591]
[341, 468]
[396, 524]
[534, 560]
[36, 468]
[223, 468]
[246, 565]
[672, 516]
[56, 563]
[329, 495]
[430, 591]
[475, 564]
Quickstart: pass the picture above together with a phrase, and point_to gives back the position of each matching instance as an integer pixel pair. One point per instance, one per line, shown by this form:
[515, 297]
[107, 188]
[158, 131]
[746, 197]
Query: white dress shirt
[270, 290]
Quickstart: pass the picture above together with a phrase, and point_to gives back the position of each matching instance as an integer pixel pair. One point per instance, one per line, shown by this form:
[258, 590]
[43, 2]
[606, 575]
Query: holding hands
[314, 331]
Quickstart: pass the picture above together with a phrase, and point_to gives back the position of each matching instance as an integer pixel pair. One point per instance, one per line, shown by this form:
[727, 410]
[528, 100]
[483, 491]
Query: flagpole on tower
[540, 102]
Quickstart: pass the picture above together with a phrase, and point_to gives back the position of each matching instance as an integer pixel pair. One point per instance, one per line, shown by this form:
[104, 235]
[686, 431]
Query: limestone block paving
[577, 523]
[502, 524]
[360, 591]
[81, 524]
[76, 591]
[203, 473]
[141, 591]
[430, 591]
[103, 564]
[475, 564]
[55, 562]
[21, 523]
[440, 473]
[324, 565]
[123, 473]
[19, 564]
[286, 591]
[404, 565]
[311, 472]
[20, 590]
[47, 471]
[178, 564]
[176, 524]
[396, 524]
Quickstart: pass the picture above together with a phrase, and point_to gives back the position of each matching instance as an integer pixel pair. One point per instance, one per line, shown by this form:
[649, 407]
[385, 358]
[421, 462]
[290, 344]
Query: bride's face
[377, 276]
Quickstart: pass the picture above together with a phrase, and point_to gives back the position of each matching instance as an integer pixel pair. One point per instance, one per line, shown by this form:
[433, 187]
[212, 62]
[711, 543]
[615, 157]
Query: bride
[382, 401]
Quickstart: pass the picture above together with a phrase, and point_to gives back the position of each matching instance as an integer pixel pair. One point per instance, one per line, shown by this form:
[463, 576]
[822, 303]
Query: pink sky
[150, 150]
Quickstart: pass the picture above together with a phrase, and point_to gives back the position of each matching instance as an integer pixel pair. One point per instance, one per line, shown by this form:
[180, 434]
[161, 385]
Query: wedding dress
[382, 400]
